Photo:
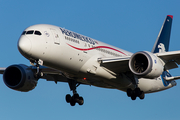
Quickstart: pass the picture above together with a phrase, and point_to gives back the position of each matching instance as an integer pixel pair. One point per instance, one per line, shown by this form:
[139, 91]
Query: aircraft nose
[24, 45]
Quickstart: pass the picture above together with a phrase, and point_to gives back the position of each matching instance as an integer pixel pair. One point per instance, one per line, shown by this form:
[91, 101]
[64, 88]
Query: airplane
[60, 55]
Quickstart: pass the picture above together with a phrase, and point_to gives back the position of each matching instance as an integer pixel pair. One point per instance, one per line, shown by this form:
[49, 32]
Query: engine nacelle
[146, 64]
[20, 78]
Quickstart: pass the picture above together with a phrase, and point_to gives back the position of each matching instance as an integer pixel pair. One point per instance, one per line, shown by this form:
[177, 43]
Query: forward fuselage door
[56, 37]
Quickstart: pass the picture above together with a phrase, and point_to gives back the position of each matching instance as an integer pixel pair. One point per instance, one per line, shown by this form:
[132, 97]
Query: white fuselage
[77, 57]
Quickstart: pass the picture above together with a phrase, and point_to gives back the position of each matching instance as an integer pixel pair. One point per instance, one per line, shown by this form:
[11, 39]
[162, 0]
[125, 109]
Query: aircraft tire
[129, 92]
[137, 91]
[72, 103]
[81, 101]
[76, 96]
[133, 97]
[68, 98]
[142, 96]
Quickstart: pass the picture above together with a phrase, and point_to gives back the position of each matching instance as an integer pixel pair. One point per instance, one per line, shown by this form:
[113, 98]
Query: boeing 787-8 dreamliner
[60, 55]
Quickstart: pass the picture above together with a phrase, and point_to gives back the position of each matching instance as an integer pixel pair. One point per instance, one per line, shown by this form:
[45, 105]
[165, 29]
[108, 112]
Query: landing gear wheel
[135, 93]
[74, 99]
[72, 102]
[68, 98]
[73, 84]
[129, 92]
[142, 96]
[81, 101]
[76, 96]
[133, 97]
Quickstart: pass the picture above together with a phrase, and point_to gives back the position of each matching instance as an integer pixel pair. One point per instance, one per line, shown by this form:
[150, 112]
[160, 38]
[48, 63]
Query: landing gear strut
[75, 98]
[135, 93]
[37, 64]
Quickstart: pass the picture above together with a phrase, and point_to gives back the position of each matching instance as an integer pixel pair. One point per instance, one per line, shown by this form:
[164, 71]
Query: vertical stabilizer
[162, 41]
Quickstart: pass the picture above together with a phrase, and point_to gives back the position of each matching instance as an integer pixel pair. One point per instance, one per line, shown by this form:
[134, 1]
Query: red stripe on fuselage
[96, 48]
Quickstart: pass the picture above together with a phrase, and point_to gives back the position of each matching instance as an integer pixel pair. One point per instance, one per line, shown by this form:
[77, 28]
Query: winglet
[162, 41]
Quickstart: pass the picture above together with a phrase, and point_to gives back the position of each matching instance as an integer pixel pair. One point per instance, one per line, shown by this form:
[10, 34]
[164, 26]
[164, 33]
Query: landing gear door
[56, 37]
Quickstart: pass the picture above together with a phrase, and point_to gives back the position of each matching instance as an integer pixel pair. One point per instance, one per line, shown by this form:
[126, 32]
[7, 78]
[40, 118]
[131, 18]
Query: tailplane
[162, 41]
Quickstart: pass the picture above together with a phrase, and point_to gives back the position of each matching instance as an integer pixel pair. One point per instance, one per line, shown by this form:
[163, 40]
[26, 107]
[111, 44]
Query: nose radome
[24, 45]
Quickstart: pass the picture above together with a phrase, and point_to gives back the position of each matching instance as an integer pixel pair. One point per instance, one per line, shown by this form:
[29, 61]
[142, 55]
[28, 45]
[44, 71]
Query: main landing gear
[75, 98]
[135, 93]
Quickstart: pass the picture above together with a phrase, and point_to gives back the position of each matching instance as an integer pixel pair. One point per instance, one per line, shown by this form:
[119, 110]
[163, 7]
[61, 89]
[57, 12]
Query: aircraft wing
[52, 74]
[48, 73]
[116, 64]
[2, 70]
[171, 59]
[120, 64]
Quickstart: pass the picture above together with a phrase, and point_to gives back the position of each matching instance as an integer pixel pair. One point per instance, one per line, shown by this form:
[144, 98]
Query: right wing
[115, 64]
[48, 73]
[2, 70]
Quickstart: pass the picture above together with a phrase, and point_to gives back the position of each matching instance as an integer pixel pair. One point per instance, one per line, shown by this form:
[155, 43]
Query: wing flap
[171, 59]
[117, 64]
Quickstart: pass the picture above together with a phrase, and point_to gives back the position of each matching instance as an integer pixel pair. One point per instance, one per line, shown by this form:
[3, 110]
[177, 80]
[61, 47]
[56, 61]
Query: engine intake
[146, 64]
[20, 78]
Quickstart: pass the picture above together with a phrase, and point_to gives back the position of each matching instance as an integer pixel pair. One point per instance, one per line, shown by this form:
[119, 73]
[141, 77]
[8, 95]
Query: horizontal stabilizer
[171, 78]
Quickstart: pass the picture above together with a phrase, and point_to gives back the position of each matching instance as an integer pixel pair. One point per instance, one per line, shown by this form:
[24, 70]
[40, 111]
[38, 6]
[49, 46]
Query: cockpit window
[30, 32]
[37, 33]
[23, 33]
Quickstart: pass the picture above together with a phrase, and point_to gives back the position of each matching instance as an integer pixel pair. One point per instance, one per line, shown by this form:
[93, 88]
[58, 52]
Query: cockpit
[30, 32]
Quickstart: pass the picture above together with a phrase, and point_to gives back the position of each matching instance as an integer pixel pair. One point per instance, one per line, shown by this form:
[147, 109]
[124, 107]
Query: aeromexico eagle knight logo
[161, 48]
[165, 73]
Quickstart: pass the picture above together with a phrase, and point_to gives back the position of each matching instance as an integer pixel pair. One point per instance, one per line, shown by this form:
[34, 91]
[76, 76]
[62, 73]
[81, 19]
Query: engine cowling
[20, 78]
[146, 64]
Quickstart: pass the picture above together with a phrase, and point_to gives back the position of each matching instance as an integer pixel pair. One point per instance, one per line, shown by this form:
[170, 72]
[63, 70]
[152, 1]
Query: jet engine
[20, 78]
[146, 64]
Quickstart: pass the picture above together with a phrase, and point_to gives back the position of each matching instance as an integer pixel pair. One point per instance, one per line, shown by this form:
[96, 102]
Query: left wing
[48, 73]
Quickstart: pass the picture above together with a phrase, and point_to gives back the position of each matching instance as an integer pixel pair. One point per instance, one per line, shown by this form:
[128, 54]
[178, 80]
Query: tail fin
[162, 41]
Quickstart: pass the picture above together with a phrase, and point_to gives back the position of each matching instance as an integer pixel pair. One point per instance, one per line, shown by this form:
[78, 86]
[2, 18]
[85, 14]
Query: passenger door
[56, 37]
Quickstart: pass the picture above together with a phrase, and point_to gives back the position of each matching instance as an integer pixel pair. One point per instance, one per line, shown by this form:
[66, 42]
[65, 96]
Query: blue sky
[131, 25]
